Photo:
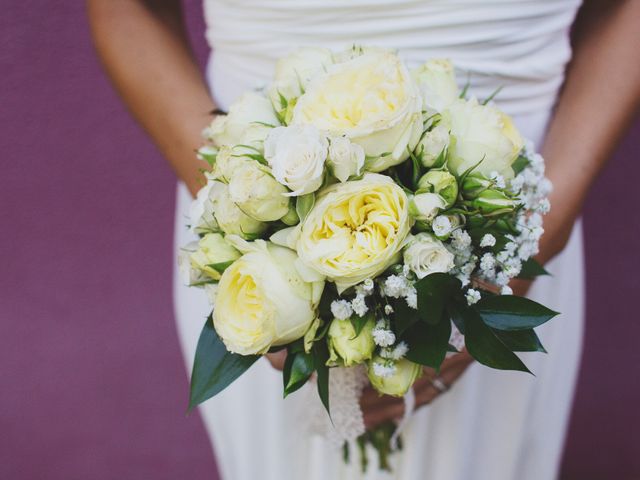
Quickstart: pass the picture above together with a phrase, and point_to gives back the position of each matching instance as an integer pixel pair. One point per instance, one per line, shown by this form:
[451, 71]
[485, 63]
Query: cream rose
[432, 144]
[244, 118]
[293, 72]
[212, 255]
[355, 230]
[425, 206]
[257, 193]
[297, 156]
[372, 100]
[425, 254]
[396, 384]
[481, 133]
[345, 159]
[230, 218]
[262, 301]
[437, 83]
[347, 348]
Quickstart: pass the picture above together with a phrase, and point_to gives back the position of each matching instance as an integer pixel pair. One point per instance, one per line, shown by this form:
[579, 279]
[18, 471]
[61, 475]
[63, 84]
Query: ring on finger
[439, 384]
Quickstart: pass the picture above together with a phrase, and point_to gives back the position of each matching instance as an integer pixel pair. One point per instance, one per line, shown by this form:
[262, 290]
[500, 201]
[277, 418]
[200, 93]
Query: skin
[145, 51]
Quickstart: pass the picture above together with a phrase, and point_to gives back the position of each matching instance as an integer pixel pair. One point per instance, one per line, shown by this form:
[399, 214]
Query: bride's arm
[145, 51]
[599, 99]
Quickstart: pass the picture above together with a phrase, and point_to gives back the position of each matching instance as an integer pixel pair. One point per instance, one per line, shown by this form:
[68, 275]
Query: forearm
[146, 54]
[599, 99]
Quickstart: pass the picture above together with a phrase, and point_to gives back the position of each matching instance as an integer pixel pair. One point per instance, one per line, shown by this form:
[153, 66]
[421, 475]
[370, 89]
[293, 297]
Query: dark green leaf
[403, 316]
[329, 294]
[428, 344]
[297, 370]
[493, 95]
[321, 355]
[359, 322]
[434, 291]
[485, 346]
[510, 312]
[520, 340]
[520, 164]
[220, 267]
[214, 367]
[532, 269]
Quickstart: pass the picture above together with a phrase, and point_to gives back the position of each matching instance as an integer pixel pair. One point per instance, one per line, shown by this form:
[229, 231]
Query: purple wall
[91, 379]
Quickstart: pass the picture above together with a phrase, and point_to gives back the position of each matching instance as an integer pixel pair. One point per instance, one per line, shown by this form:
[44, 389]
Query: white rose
[437, 83]
[231, 219]
[347, 347]
[249, 111]
[372, 100]
[481, 133]
[425, 206]
[355, 230]
[257, 193]
[425, 254]
[345, 159]
[227, 161]
[297, 155]
[201, 211]
[294, 72]
[398, 383]
[432, 144]
[211, 255]
[262, 301]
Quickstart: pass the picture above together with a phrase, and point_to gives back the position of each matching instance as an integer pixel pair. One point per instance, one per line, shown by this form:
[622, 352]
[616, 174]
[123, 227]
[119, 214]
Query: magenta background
[91, 378]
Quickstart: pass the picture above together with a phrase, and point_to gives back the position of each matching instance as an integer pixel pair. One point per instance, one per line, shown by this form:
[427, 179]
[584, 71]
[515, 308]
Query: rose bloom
[372, 100]
[262, 301]
[244, 114]
[481, 133]
[355, 230]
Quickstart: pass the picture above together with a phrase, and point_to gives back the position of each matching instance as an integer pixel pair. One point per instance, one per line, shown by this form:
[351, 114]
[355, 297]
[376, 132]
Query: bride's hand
[277, 359]
[378, 408]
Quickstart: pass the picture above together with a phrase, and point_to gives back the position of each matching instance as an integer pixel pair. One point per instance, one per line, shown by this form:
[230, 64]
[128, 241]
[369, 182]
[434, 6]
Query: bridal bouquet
[364, 217]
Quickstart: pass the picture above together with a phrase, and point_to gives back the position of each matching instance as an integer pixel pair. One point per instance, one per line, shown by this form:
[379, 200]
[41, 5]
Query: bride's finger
[393, 411]
[372, 399]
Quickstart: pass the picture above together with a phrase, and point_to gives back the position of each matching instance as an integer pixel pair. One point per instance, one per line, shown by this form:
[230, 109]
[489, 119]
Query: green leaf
[359, 322]
[484, 345]
[214, 367]
[403, 315]
[329, 294]
[510, 312]
[493, 95]
[434, 291]
[304, 204]
[220, 267]
[520, 340]
[298, 368]
[532, 269]
[321, 355]
[520, 164]
[428, 344]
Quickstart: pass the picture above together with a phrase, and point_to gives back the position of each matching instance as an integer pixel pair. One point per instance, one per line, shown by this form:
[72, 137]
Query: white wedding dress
[492, 425]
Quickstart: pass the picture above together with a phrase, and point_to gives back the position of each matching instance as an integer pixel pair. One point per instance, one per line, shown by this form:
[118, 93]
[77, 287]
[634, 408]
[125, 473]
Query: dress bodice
[521, 45]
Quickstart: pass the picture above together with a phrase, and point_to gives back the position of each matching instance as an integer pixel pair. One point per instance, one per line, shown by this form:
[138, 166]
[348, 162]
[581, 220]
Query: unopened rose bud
[440, 182]
[474, 184]
[494, 202]
[399, 378]
[425, 206]
[432, 144]
[344, 345]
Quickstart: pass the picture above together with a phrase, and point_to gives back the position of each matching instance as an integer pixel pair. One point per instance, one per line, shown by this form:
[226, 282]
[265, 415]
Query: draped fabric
[491, 425]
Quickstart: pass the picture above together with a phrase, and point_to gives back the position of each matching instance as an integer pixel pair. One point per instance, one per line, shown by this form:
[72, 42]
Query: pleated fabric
[491, 425]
